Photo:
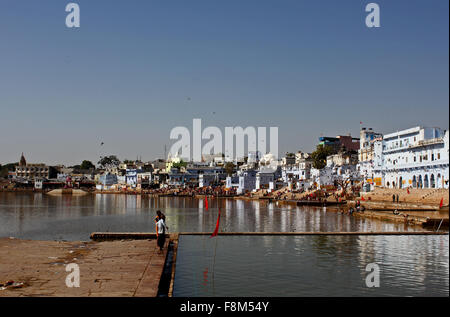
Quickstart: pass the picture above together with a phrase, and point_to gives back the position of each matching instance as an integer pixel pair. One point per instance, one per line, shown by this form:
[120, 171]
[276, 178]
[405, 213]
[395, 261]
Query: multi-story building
[288, 160]
[34, 171]
[341, 159]
[366, 154]
[340, 142]
[144, 179]
[301, 171]
[108, 179]
[417, 157]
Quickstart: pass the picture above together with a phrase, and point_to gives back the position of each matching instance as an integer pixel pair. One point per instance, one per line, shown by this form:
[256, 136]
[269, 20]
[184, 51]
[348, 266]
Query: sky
[136, 69]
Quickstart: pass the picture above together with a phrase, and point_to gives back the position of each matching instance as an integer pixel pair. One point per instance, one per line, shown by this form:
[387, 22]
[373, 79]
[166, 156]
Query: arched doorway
[432, 181]
[439, 181]
[420, 182]
[400, 182]
[425, 182]
[414, 182]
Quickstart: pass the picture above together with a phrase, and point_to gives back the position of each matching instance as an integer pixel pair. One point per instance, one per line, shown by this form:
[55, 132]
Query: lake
[73, 218]
[247, 265]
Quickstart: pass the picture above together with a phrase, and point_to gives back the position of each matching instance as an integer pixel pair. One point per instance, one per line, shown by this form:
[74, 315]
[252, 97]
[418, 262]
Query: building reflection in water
[257, 217]
[31, 215]
[391, 252]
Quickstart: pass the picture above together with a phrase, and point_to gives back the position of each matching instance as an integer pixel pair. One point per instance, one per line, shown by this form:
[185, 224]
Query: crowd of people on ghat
[191, 191]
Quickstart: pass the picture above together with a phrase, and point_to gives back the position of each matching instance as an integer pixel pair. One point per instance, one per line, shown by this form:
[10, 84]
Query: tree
[86, 165]
[229, 168]
[109, 161]
[319, 156]
[4, 169]
[343, 183]
[179, 164]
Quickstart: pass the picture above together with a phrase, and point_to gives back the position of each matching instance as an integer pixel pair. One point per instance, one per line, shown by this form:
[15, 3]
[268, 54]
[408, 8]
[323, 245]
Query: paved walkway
[109, 268]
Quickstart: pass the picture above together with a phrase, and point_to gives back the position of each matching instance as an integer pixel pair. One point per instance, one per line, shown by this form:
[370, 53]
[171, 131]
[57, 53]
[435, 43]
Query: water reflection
[312, 266]
[37, 216]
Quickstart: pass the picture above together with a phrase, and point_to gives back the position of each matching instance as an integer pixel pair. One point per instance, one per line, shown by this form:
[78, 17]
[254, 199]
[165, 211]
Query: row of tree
[104, 162]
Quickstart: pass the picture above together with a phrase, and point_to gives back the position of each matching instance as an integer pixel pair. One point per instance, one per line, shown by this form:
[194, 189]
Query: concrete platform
[109, 268]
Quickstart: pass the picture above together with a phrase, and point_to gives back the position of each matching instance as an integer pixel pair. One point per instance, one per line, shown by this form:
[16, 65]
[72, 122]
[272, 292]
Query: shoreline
[419, 207]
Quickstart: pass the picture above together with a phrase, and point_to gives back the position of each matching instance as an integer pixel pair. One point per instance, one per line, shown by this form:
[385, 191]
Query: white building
[263, 179]
[247, 182]
[322, 177]
[131, 177]
[232, 181]
[366, 154]
[298, 172]
[344, 166]
[417, 157]
[342, 159]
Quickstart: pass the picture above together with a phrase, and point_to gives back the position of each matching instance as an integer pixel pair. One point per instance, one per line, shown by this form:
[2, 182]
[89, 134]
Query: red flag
[407, 190]
[206, 202]
[441, 203]
[362, 198]
[216, 231]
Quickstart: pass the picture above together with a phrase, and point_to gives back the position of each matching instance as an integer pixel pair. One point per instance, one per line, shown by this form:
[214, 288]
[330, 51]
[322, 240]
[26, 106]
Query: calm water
[294, 266]
[247, 265]
[44, 217]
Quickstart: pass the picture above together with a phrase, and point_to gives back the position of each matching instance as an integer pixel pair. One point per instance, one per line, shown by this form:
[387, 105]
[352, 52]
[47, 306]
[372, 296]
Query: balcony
[427, 164]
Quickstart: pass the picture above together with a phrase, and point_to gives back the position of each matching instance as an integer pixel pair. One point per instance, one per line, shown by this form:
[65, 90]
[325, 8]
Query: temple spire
[22, 162]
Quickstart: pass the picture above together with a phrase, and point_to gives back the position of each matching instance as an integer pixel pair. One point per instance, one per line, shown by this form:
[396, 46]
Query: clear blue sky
[136, 69]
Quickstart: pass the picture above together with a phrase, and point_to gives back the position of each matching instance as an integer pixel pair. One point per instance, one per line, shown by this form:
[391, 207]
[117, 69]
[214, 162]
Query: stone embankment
[107, 268]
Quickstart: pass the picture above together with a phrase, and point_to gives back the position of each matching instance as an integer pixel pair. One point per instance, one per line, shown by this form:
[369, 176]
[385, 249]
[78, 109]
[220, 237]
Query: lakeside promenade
[107, 268]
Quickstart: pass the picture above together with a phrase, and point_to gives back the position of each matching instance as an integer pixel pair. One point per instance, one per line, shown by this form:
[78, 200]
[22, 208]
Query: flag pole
[216, 231]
